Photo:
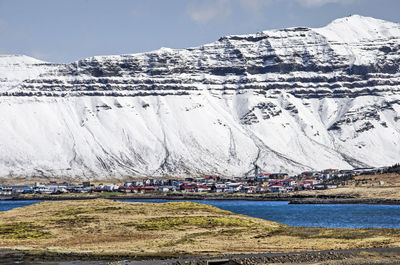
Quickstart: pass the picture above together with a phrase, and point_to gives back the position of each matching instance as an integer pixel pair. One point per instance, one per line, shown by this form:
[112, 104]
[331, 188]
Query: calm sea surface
[8, 205]
[313, 215]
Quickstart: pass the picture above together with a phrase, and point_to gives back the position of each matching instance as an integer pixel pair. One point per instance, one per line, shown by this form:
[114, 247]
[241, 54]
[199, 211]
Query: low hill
[112, 229]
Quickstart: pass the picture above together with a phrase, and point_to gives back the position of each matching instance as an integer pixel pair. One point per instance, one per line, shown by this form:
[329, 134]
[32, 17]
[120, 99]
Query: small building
[18, 188]
[310, 174]
[330, 171]
[311, 181]
[289, 182]
[274, 182]
[163, 188]
[211, 177]
[319, 187]
[4, 191]
[279, 188]
[188, 188]
[148, 189]
[86, 184]
[262, 189]
[331, 186]
[249, 189]
[278, 175]
[220, 188]
[130, 189]
[202, 188]
[233, 187]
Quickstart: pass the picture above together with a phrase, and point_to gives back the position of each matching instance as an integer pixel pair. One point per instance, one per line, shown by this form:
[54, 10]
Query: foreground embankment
[381, 256]
[100, 229]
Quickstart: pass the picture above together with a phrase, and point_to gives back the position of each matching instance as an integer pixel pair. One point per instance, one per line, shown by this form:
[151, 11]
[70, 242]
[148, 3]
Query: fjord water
[311, 215]
[8, 205]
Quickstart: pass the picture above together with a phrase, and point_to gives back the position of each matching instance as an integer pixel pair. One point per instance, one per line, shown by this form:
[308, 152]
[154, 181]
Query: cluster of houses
[42, 188]
[261, 182]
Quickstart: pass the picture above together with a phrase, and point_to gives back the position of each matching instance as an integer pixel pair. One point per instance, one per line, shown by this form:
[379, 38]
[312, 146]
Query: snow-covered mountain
[287, 100]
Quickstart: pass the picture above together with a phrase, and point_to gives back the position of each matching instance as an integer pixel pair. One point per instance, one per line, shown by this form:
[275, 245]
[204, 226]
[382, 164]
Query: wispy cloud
[255, 4]
[204, 11]
[209, 10]
[316, 3]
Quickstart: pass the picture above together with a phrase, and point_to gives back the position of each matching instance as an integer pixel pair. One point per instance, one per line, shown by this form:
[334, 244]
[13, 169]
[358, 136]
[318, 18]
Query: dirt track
[345, 257]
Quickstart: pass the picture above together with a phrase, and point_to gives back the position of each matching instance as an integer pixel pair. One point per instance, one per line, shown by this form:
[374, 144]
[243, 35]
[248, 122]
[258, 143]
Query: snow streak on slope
[287, 100]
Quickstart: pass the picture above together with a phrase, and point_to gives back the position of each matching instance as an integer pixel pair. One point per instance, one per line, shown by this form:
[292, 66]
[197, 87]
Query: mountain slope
[287, 100]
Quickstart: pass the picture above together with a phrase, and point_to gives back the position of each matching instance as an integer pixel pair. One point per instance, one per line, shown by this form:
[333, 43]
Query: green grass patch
[337, 233]
[75, 221]
[77, 211]
[172, 223]
[22, 230]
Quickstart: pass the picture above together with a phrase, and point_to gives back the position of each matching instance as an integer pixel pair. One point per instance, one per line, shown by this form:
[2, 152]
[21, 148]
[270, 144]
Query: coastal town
[259, 182]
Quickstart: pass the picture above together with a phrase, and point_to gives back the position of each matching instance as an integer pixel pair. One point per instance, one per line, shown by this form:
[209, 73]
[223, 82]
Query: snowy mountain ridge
[287, 100]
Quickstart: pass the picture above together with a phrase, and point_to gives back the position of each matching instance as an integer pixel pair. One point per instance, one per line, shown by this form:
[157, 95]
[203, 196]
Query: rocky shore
[292, 198]
[317, 200]
[350, 256]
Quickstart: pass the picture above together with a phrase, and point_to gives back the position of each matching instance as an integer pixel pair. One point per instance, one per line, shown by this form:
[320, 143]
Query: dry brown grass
[366, 187]
[171, 229]
[387, 193]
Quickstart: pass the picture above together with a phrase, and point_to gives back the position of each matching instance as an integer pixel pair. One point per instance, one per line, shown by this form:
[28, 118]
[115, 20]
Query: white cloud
[204, 11]
[316, 3]
[255, 4]
[209, 10]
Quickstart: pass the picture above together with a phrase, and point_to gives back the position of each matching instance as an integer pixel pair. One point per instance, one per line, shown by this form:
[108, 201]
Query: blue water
[8, 205]
[312, 215]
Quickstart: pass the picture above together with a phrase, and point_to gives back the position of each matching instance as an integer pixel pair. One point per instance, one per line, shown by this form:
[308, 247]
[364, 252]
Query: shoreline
[277, 257]
[292, 199]
[48, 257]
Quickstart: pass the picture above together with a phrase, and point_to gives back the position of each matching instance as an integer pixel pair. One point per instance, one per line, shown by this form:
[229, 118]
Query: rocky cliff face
[287, 100]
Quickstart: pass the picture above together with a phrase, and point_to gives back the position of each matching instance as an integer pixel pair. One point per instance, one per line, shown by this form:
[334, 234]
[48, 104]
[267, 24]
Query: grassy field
[106, 227]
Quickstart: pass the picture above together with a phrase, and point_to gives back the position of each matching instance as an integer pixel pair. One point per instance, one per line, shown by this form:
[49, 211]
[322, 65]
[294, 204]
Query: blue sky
[69, 30]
